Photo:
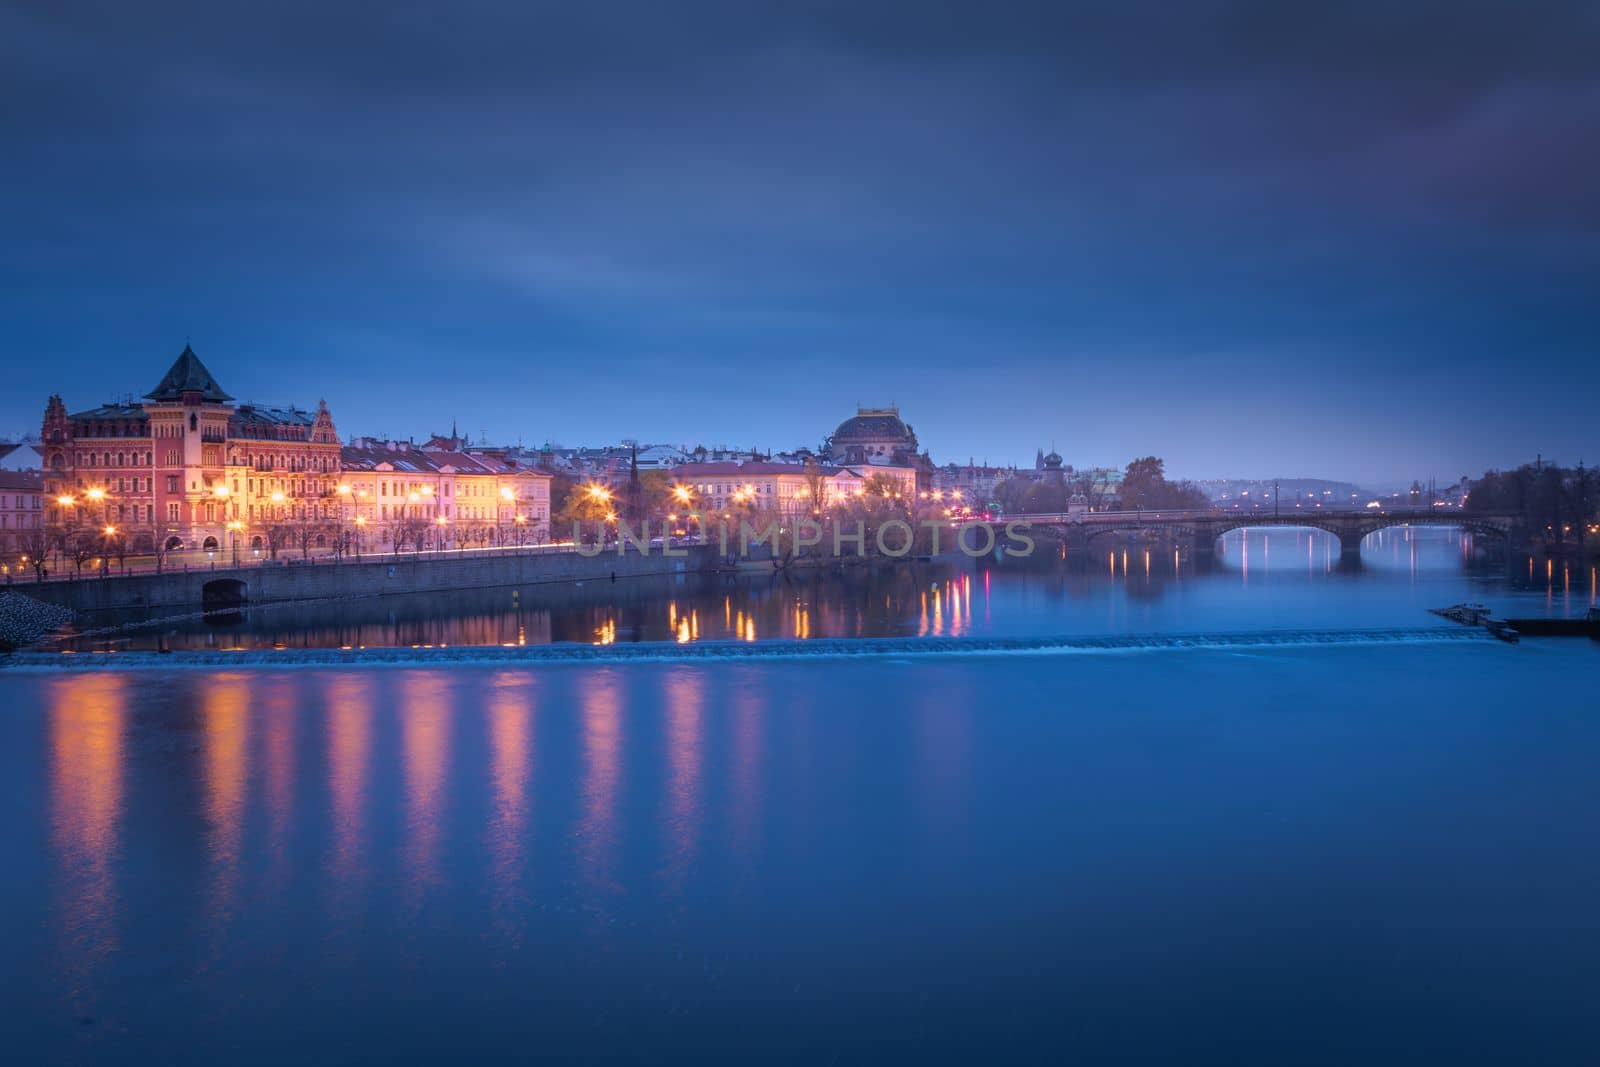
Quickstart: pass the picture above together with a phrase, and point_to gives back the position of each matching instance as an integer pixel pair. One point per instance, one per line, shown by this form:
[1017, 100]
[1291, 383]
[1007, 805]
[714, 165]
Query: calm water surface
[1262, 580]
[1363, 852]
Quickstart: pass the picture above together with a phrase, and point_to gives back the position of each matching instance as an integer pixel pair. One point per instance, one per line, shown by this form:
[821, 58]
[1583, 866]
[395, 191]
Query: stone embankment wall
[383, 576]
[24, 620]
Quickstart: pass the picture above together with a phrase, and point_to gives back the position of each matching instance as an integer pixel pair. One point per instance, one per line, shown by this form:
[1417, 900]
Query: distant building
[873, 435]
[788, 488]
[23, 456]
[21, 516]
[975, 482]
[878, 437]
[393, 492]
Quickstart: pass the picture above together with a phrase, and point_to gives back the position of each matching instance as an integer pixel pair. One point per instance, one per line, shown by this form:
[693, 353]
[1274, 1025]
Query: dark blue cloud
[1257, 238]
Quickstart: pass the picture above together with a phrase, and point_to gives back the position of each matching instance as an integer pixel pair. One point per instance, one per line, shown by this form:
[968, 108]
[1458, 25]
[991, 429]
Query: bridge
[1203, 526]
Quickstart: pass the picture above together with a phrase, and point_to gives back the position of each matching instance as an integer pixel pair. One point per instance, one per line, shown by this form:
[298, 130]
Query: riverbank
[24, 620]
[223, 587]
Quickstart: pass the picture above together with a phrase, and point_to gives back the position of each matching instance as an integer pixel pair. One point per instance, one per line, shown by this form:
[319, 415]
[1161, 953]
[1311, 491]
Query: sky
[1356, 240]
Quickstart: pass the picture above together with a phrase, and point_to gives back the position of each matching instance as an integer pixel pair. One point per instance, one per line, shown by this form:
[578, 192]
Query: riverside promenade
[221, 586]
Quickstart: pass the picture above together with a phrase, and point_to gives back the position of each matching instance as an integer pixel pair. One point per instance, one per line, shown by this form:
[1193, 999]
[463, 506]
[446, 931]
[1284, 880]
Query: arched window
[194, 422]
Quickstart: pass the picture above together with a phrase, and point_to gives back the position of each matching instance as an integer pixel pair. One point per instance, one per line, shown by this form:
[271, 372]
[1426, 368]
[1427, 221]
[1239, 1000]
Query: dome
[870, 425]
[1052, 460]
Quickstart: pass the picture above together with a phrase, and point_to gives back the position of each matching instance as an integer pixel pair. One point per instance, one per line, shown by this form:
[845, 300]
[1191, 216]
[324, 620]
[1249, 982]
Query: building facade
[785, 488]
[21, 518]
[188, 468]
[394, 494]
[20, 456]
[878, 437]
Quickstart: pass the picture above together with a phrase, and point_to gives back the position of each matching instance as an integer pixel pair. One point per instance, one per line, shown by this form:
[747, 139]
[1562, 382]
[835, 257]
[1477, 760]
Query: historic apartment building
[785, 488]
[190, 468]
[394, 491]
[187, 468]
[21, 514]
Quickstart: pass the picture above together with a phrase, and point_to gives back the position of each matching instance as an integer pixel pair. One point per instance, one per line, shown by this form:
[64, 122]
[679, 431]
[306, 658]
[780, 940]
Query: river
[1267, 813]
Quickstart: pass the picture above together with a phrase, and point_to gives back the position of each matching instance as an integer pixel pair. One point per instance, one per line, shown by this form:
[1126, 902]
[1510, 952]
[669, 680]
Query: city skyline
[468, 441]
[1254, 257]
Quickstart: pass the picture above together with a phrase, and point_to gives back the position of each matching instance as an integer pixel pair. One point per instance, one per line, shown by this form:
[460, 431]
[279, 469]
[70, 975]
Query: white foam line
[731, 651]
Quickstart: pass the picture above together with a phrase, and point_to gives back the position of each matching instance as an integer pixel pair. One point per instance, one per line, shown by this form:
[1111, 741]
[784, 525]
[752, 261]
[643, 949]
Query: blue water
[1366, 839]
[1263, 581]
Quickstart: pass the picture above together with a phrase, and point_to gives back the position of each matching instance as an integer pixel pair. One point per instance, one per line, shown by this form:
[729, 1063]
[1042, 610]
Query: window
[172, 484]
[172, 512]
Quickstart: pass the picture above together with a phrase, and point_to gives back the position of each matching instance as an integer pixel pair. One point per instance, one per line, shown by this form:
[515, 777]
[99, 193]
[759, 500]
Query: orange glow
[86, 714]
[685, 699]
[425, 752]
[602, 765]
[225, 766]
[510, 756]
[349, 724]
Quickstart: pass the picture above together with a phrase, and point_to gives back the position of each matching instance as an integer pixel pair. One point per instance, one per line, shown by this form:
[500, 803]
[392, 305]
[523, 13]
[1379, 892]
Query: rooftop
[188, 375]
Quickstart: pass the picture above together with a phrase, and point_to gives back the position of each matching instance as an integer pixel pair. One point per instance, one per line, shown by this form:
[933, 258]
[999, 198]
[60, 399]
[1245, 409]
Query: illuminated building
[189, 468]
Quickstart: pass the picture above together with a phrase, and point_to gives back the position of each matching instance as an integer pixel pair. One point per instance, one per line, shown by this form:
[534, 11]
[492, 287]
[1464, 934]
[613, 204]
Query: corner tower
[188, 414]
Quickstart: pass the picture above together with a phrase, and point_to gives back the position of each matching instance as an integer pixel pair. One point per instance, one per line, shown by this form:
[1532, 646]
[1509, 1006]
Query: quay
[222, 587]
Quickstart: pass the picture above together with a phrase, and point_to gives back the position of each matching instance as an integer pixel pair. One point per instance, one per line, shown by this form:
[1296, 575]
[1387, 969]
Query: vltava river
[1372, 845]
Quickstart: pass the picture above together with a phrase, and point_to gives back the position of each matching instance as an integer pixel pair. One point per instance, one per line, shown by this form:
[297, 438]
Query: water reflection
[86, 740]
[1110, 585]
[602, 771]
[225, 735]
[510, 712]
[684, 744]
[277, 699]
[348, 720]
[425, 722]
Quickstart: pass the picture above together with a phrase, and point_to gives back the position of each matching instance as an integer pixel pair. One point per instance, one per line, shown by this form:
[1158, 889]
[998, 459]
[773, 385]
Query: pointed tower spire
[188, 375]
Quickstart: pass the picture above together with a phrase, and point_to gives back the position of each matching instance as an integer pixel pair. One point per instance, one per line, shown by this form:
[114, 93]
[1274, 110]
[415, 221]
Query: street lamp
[234, 526]
[361, 525]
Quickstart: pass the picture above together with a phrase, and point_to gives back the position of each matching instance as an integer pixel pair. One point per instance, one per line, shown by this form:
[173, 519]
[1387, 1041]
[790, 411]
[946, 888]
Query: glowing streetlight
[343, 490]
[66, 501]
[682, 493]
[277, 498]
[220, 492]
[599, 492]
[96, 494]
[506, 493]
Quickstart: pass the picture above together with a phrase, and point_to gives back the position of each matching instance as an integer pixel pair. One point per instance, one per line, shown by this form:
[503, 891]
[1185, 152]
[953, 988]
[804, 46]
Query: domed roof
[1053, 460]
[873, 424]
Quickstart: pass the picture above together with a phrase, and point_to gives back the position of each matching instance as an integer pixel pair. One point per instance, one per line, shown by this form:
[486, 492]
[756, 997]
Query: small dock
[1512, 630]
